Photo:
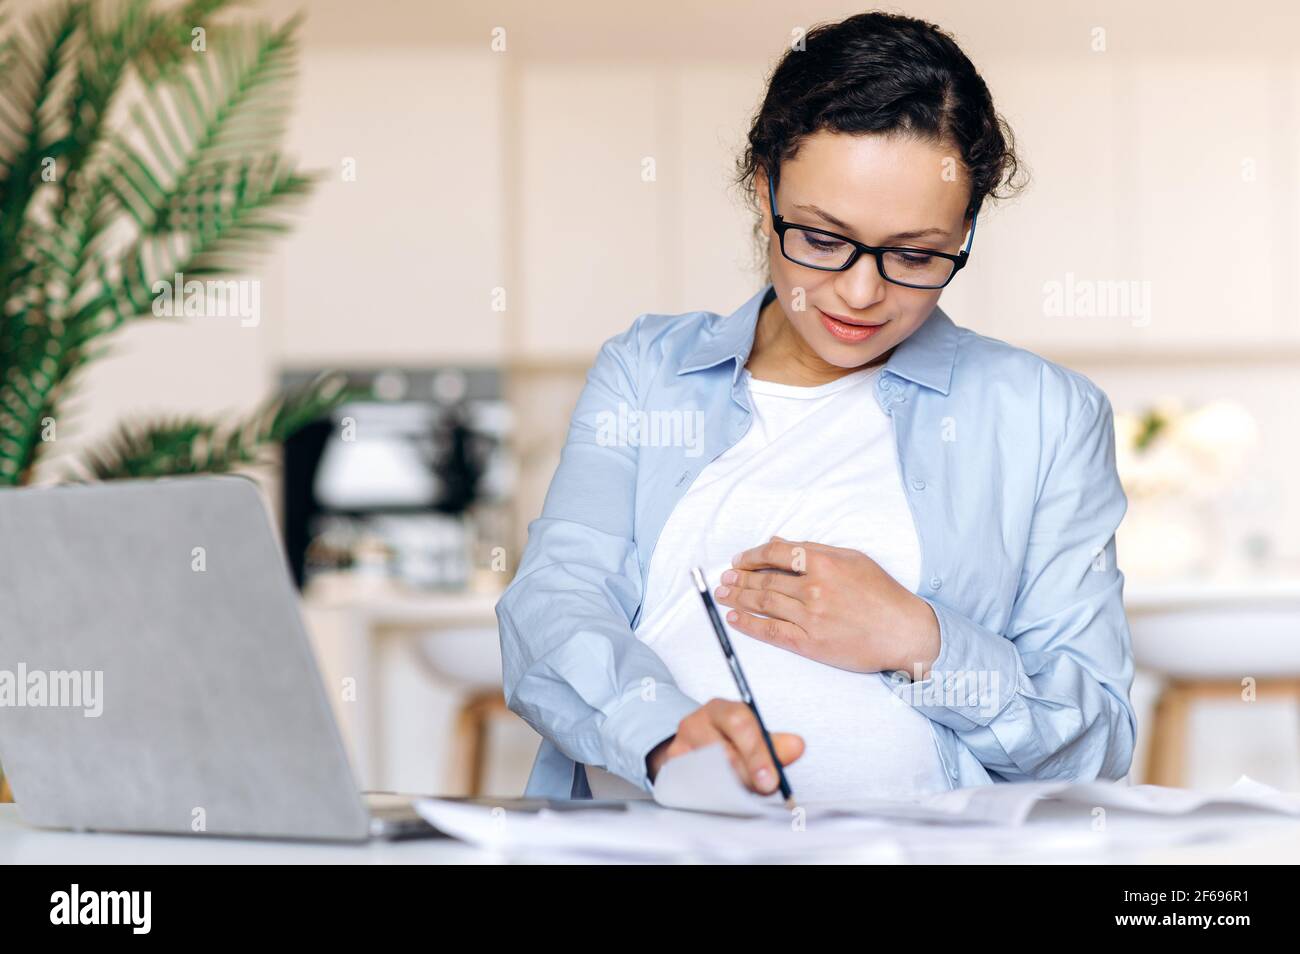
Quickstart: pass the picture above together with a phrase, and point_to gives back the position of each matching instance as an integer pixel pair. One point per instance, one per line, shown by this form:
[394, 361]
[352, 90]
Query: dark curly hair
[882, 73]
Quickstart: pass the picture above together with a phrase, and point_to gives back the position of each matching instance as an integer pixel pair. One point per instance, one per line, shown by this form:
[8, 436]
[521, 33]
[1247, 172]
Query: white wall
[523, 170]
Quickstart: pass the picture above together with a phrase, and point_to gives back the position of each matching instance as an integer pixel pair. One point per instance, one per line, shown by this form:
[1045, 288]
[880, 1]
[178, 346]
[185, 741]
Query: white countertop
[1142, 596]
[395, 605]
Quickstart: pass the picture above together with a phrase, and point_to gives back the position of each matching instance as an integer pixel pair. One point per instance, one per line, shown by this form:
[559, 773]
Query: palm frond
[191, 445]
[27, 102]
[221, 223]
[228, 104]
[121, 36]
[195, 183]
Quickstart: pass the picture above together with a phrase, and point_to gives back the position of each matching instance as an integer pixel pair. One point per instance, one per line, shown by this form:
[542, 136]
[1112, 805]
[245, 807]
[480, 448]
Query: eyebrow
[914, 234]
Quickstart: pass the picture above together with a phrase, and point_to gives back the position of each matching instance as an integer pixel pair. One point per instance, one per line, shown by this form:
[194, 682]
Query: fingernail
[735, 561]
[723, 591]
[729, 576]
[732, 616]
[763, 778]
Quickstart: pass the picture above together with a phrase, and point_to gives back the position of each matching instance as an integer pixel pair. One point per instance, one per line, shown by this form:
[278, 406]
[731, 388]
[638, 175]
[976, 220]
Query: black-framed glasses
[832, 252]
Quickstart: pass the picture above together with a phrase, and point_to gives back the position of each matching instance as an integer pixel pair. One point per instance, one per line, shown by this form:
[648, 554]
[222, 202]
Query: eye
[823, 244]
[915, 259]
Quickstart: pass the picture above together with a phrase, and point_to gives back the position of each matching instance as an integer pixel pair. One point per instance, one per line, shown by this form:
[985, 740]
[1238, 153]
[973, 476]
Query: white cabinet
[588, 226]
[398, 264]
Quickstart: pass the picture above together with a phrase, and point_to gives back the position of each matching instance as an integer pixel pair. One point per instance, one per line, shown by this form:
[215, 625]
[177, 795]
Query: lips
[847, 331]
[850, 321]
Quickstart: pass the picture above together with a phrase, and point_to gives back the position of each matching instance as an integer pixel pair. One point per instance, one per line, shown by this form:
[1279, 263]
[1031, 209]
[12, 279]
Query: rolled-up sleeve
[1049, 699]
[572, 667]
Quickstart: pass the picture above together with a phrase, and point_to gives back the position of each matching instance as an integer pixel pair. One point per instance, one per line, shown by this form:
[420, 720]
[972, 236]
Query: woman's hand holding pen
[833, 604]
[733, 725]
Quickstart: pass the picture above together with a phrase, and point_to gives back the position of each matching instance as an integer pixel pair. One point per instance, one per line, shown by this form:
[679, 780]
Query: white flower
[1196, 453]
[1221, 431]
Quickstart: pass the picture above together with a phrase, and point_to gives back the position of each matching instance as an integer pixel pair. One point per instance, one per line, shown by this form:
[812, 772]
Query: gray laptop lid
[174, 598]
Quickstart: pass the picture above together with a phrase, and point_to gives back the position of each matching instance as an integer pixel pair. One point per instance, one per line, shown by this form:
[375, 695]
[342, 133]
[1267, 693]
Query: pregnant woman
[908, 526]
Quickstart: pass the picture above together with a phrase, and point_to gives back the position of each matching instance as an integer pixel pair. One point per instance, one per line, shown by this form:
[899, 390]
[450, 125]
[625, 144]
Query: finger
[774, 554]
[788, 746]
[803, 552]
[777, 632]
[741, 728]
[702, 737]
[813, 545]
[791, 584]
[707, 726]
[696, 731]
[769, 603]
[738, 765]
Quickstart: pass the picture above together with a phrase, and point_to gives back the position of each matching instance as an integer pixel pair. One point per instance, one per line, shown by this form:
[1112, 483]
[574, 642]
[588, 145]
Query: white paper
[646, 832]
[703, 781]
[724, 821]
[1158, 800]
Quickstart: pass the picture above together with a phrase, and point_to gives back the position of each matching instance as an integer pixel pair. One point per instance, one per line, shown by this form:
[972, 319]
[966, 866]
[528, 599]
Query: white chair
[469, 659]
[1211, 641]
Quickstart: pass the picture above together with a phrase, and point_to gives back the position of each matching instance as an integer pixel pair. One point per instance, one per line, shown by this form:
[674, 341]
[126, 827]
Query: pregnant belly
[861, 740]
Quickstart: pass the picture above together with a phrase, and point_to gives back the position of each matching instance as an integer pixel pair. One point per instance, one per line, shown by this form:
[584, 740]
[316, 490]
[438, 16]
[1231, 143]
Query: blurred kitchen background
[485, 220]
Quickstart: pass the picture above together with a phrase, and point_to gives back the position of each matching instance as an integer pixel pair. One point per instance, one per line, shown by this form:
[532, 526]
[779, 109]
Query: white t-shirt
[818, 464]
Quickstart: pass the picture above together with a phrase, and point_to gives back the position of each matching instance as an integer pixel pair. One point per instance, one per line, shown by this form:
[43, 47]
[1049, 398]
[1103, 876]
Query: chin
[849, 357]
[878, 343]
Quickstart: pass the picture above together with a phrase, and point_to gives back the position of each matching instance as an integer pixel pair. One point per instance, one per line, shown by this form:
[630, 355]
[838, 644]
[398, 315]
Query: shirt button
[935, 582]
[918, 484]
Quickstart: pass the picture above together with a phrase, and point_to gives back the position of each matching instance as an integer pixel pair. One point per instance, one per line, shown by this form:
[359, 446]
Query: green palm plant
[136, 142]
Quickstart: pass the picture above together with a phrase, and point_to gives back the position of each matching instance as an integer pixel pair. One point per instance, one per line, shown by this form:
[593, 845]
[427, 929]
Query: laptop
[156, 676]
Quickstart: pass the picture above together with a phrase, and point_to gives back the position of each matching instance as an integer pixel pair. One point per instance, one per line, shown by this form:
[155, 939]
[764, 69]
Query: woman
[909, 526]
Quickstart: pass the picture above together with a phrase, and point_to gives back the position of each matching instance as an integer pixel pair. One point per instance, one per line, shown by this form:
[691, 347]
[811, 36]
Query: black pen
[738, 674]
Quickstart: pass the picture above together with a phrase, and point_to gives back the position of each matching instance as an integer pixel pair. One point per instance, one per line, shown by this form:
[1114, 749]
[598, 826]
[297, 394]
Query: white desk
[20, 844]
[1262, 840]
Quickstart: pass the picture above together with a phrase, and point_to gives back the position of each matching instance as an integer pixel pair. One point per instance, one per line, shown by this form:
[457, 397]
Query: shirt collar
[925, 357]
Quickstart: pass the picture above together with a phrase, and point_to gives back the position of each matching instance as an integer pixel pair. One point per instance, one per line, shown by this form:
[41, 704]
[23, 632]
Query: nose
[862, 285]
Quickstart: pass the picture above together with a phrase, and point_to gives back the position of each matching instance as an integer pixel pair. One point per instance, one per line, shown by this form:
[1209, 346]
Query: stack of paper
[703, 781]
[703, 812]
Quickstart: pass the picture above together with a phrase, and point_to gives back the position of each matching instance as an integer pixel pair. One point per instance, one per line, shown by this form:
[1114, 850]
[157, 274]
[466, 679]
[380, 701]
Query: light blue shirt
[1008, 461]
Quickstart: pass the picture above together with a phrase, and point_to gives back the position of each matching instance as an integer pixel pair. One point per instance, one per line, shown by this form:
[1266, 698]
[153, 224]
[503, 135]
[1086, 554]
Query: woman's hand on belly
[733, 726]
[831, 604]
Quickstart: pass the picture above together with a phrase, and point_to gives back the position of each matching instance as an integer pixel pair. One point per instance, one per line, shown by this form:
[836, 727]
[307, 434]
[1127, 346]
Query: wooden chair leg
[1167, 750]
[6, 793]
[470, 755]
[1167, 753]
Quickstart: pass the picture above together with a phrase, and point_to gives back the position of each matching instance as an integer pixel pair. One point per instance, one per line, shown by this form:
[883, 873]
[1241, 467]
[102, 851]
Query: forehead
[877, 180]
